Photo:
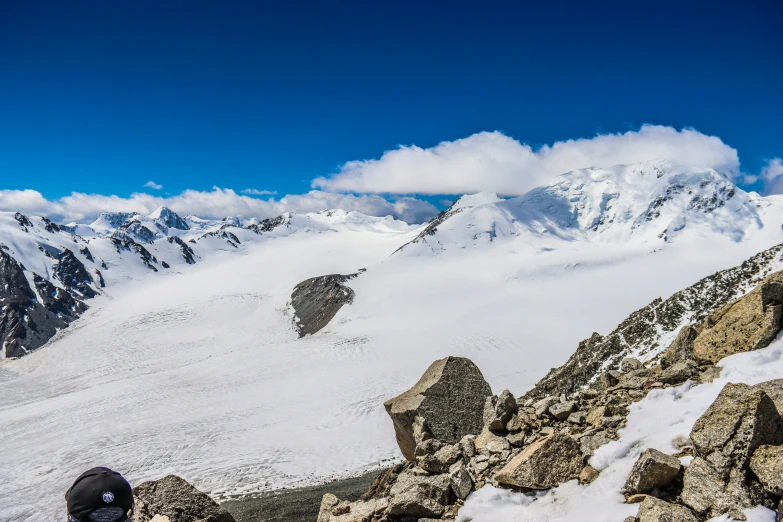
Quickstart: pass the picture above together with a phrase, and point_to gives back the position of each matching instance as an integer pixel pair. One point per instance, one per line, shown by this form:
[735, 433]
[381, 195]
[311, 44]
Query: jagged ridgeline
[647, 332]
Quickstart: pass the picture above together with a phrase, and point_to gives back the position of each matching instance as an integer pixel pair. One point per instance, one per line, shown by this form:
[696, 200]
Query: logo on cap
[108, 497]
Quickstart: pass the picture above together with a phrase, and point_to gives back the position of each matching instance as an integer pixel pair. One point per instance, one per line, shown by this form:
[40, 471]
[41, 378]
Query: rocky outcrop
[72, 273]
[544, 464]
[719, 479]
[653, 470]
[767, 464]
[448, 402]
[642, 331]
[187, 253]
[655, 510]
[125, 243]
[173, 499]
[419, 495]
[316, 301]
[269, 224]
[170, 219]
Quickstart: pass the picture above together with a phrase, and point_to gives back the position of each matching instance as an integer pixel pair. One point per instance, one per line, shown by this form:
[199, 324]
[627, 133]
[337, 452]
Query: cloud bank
[215, 204]
[495, 162]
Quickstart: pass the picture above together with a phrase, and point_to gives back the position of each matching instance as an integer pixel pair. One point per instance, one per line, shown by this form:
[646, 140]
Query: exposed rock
[773, 389]
[461, 483]
[520, 422]
[629, 364]
[544, 464]
[767, 464]
[590, 443]
[747, 324]
[656, 510]
[682, 348]
[328, 502]
[72, 273]
[562, 410]
[596, 416]
[169, 218]
[359, 511]
[468, 446]
[187, 253]
[498, 411]
[741, 419]
[611, 378]
[269, 224]
[449, 397]
[175, 498]
[578, 417]
[544, 404]
[420, 496]
[641, 331]
[653, 470]
[588, 475]
[677, 373]
[318, 299]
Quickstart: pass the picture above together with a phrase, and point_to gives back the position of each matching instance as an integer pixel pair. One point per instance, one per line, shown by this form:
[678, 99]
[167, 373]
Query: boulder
[544, 404]
[682, 347]
[590, 443]
[655, 510]
[176, 499]
[450, 397]
[328, 503]
[747, 324]
[588, 475]
[578, 417]
[419, 495]
[317, 300]
[544, 464]
[562, 410]
[719, 479]
[653, 470]
[767, 464]
[677, 373]
[774, 389]
[520, 422]
[498, 411]
[596, 416]
[461, 483]
[360, 511]
[629, 364]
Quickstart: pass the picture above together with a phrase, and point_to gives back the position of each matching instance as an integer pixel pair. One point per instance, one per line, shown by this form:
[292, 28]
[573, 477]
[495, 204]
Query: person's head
[99, 495]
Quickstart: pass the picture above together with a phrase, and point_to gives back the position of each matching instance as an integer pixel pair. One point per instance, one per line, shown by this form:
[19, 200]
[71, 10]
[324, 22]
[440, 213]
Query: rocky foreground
[457, 437]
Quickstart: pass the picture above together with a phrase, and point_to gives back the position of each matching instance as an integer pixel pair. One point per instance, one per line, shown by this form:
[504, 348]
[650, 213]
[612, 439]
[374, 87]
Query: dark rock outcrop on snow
[134, 230]
[640, 332]
[269, 224]
[176, 500]
[318, 299]
[72, 273]
[187, 252]
[130, 245]
[167, 217]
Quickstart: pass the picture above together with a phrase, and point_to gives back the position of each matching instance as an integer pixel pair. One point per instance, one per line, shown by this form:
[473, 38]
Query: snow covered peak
[475, 200]
[169, 218]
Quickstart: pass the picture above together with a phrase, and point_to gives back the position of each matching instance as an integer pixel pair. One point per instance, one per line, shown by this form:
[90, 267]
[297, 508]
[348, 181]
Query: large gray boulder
[719, 479]
[767, 464]
[656, 510]
[176, 499]
[449, 398]
[544, 464]
[419, 495]
[318, 299]
[653, 470]
[498, 410]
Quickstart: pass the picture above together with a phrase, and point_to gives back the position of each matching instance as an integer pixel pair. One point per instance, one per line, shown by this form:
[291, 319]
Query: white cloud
[256, 192]
[153, 185]
[495, 162]
[772, 174]
[214, 204]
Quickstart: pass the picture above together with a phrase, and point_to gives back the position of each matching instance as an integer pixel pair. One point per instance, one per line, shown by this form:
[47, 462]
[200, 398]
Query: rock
[328, 502]
[544, 404]
[578, 417]
[420, 496]
[588, 475]
[449, 397]
[590, 443]
[774, 389]
[468, 446]
[498, 445]
[635, 499]
[544, 464]
[361, 510]
[682, 347]
[459, 478]
[516, 439]
[677, 373]
[632, 382]
[176, 499]
[520, 422]
[316, 301]
[747, 324]
[611, 378]
[499, 410]
[710, 374]
[596, 416]
[653, 470]
[719, 479]
[767, 464]
[441, 459]
[562, 410]
[629, 365]
[488, 442]
[656, 510]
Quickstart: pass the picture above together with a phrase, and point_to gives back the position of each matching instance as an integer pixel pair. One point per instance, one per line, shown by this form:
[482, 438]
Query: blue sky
[102, 97]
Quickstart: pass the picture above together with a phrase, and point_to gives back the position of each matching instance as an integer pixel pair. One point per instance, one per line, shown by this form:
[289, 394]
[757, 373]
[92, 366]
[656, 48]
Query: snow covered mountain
[654, 203]
[197, 369]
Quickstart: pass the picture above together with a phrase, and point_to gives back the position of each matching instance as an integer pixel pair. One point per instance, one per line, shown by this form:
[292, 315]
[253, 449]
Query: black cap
[99, 490]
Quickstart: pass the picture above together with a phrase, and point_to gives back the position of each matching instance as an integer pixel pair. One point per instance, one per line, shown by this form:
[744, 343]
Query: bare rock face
[449, 398]
[747, 324]
[774, 389]
[176, 499]
[654, 510]
[318, 299]
[498, 410]
[719, 479]
[544, 464]
[677, 373]
[767, 464]
[419, 495]
[653, 470]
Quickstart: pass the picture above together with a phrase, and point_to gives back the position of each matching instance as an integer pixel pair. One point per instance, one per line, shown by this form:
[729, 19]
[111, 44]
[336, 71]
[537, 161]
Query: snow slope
[201, 373]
